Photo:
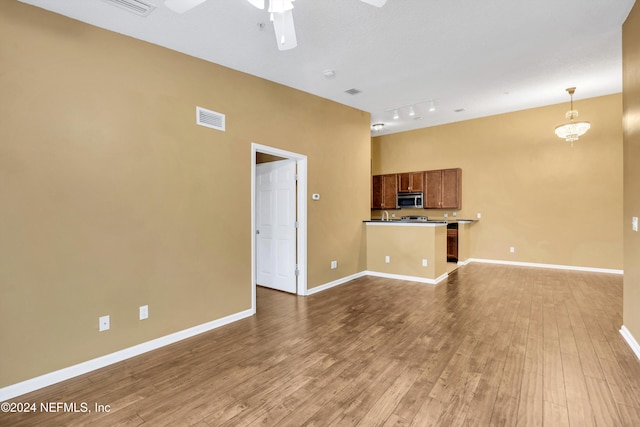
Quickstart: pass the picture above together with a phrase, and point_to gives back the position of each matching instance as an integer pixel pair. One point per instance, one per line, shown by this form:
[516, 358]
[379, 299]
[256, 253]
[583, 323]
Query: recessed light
[329, 74]
[353, 91]
[459, 110]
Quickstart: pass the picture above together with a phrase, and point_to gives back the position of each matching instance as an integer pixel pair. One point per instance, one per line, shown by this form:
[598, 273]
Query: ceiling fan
[281, 15]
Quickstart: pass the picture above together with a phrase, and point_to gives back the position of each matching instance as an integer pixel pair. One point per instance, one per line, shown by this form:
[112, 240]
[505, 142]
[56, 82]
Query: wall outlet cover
[144, 312]
[104, 323]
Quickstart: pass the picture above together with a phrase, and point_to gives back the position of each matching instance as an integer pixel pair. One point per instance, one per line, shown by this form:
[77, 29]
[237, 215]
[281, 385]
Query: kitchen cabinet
[452, 242]
[384, 191]
[443, 189]
[411, 182]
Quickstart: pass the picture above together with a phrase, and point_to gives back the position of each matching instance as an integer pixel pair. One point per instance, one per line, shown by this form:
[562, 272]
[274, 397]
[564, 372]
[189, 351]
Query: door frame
[301, 201]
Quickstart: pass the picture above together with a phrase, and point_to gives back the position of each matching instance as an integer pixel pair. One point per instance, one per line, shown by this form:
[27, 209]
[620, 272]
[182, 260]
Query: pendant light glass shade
[572, 130]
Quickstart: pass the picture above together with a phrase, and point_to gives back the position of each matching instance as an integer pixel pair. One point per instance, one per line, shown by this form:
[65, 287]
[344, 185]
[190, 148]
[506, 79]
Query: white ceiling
[486, 57]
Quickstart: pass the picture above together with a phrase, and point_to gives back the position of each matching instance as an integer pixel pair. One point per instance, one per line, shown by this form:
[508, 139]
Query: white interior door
[276, 225]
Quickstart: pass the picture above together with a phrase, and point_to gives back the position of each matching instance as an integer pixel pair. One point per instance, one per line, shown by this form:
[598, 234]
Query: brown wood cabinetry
[443, 189]
[384, 191]
[411, 182]
[452, 244]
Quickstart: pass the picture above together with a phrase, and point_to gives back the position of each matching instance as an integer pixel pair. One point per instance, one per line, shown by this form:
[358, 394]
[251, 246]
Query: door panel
[275, 225]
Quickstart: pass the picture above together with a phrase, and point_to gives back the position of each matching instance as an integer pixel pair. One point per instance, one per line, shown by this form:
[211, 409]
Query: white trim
[554, 266]
[628, 338]
[301, 161]
[337, 282]
[408, 278]
[63, 374]
[465, 262]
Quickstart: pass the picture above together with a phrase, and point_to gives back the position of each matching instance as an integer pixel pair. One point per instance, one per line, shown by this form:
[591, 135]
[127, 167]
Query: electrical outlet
[512, 249]
[334, 265]
[454, 213]
[144, 312]
[104, 323]
[634, 223]
[387, 259]
[393, 215]
[446, 215]
[478, 215]
[424, 263]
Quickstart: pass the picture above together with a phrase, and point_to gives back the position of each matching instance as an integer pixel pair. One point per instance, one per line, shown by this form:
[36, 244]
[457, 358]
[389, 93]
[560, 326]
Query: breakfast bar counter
[407, 250]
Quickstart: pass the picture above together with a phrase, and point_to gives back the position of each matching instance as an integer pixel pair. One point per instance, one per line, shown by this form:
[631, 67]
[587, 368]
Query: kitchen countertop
[430, 222]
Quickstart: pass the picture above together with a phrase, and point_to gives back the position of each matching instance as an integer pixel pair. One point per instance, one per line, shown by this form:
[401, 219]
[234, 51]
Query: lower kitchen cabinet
[452, 242]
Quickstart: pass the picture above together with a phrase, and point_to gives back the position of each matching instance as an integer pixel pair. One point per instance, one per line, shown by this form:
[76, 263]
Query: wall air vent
[353, 91]
[134, 6]
[210, 119]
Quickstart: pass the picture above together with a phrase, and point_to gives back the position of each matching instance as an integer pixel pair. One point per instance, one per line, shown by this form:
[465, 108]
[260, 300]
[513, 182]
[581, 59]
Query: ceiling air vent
[210, 119]
[134, 6]
[353, 91]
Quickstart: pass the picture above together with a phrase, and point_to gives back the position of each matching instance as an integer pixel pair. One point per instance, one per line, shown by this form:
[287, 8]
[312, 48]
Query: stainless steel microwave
[409, 200]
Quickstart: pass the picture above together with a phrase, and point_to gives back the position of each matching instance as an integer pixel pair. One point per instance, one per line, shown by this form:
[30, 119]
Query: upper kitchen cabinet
[411, 182]
[443, 189]
[385, 191]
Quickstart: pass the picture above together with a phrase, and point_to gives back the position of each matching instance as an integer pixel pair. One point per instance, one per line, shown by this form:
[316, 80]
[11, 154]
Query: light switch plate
[144, 312]
[634, 223]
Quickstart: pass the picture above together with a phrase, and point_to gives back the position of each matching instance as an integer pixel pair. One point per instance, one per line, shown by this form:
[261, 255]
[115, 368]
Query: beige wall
[553, 203]
[631, 120]
[111, 197]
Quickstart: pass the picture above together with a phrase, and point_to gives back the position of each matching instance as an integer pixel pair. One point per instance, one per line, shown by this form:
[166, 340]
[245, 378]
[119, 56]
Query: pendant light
[572, 131]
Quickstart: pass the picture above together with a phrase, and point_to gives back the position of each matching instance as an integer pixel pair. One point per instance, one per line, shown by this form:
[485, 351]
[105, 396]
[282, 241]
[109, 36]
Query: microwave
[409, 200]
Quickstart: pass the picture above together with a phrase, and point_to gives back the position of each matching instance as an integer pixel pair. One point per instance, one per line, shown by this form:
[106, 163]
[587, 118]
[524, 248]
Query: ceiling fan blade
[257, 3]
[285, 30]
[377, 3]
[181, 6]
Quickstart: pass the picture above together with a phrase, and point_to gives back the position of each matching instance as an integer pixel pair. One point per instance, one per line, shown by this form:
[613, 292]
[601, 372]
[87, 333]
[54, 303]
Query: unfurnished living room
[336, 213]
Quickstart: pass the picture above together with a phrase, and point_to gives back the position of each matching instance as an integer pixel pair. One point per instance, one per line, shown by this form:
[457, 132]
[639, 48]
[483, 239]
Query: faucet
[385, 214]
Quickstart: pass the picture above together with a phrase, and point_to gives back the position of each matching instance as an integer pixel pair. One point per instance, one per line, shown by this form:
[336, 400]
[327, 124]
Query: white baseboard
[45, 380]
[408, 278]
[335, 283]
[630, 340]
[554, 266]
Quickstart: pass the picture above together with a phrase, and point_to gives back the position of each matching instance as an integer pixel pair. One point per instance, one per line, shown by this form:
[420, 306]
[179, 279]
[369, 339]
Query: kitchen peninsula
[412, 250]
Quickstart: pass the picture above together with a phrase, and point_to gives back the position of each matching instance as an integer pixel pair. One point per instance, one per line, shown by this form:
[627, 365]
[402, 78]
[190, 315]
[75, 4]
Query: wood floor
[492, 345]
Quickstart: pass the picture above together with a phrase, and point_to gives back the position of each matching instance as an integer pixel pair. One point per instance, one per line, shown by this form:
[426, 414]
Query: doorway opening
[262, 155]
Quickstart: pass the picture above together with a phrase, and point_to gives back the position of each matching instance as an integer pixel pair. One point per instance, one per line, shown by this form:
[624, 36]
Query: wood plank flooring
[492, 345]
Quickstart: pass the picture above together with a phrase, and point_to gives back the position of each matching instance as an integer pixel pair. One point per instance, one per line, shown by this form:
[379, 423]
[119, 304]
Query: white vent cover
[210, 119]
[135, 6]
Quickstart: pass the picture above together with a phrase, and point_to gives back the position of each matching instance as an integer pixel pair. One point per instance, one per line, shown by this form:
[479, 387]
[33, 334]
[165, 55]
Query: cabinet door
[452, 245]
[417, 181]
[390, 191]
[433, 192]
[384, 191]
[377, 192]
[404, 182]
[451, 189]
